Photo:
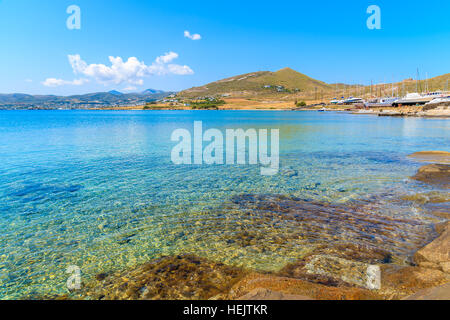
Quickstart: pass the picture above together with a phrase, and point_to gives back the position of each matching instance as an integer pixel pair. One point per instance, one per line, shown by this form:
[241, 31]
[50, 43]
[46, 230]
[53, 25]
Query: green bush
[207, 104]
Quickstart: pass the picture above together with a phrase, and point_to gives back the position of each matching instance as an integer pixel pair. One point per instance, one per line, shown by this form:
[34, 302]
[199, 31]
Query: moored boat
[417, 98]
[382, 102]
[353, 100]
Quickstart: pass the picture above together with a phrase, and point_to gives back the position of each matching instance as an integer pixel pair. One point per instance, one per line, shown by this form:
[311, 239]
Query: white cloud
[166, 58]
[130, 88]
[53, 82]
[131, 71]
[195, 36]
[28, 80]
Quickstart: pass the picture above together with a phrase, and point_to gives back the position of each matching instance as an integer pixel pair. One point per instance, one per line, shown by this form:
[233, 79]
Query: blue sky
[327, 40]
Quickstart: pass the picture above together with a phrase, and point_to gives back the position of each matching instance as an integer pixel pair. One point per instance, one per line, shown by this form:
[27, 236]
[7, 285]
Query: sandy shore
[439, 112]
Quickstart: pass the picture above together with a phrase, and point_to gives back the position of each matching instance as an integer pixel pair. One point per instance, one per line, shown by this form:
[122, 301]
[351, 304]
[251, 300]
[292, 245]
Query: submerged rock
[438, 174]
[432, 156]
[434, 197]
[288, 172]
[175, 278]
[352, 272]
[353, 231]
[340, 265]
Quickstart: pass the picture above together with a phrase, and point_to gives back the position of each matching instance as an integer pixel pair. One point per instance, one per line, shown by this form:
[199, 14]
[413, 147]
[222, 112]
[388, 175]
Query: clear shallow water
[97, 189]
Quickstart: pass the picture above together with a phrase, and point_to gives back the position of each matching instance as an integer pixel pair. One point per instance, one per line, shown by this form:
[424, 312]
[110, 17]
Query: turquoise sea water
[97, 189]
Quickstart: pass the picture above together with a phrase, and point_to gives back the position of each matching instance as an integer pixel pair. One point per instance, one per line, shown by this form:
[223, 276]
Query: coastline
[269, 104]
[241, 104]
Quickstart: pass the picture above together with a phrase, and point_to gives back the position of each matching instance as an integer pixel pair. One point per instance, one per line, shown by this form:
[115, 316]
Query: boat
[334, 101]
[353, 100]
[382, 102]
[417, 98]
[439, 100]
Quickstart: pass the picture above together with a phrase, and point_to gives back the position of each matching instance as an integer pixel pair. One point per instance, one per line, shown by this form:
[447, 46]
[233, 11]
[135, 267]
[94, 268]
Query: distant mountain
[152, 91]
[259, 83]
[85, 101]
[115, 92]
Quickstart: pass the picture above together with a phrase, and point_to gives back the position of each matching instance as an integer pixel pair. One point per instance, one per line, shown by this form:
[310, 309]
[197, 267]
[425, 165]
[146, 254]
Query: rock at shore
[276, 287]
[399, 282]
[437, 293]
[355, 273]
[436, 255]
[437, 174]
[266, 294]
[442, 157]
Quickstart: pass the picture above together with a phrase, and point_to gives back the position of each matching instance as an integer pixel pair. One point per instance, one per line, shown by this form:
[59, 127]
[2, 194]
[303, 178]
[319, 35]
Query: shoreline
[425, 115]
[422, 111]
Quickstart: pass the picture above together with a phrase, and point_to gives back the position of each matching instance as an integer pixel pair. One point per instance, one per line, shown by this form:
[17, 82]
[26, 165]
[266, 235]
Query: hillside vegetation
[262, 83]
[288, 84]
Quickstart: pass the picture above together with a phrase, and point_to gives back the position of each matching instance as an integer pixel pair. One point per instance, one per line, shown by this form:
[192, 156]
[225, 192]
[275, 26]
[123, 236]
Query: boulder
[353, 272]
[438, 174]
[257, 285]
[436, 293]
[401, 281]
[436, 253]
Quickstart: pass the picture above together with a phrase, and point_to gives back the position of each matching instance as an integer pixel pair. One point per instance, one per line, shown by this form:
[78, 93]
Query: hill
[262, 83]
[288, 84]
[85, 101]
[115, 92]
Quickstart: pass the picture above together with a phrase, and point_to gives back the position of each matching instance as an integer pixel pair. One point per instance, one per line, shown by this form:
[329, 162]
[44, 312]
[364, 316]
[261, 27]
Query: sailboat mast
[392, 86]
[417, 81]
[419, 87]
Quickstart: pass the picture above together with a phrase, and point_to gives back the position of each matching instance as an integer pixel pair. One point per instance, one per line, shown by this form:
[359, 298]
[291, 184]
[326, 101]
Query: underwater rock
[41, 189]
[440, 214]
[375, 238]
[438, 174]
[357, 273]
[432, 156]
[441, 227]
[288, 172]
[429, 197]
[345, 255]
[168, 278]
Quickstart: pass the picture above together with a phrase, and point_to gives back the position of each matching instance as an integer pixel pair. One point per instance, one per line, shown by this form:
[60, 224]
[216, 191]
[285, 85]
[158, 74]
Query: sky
[173, 45]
